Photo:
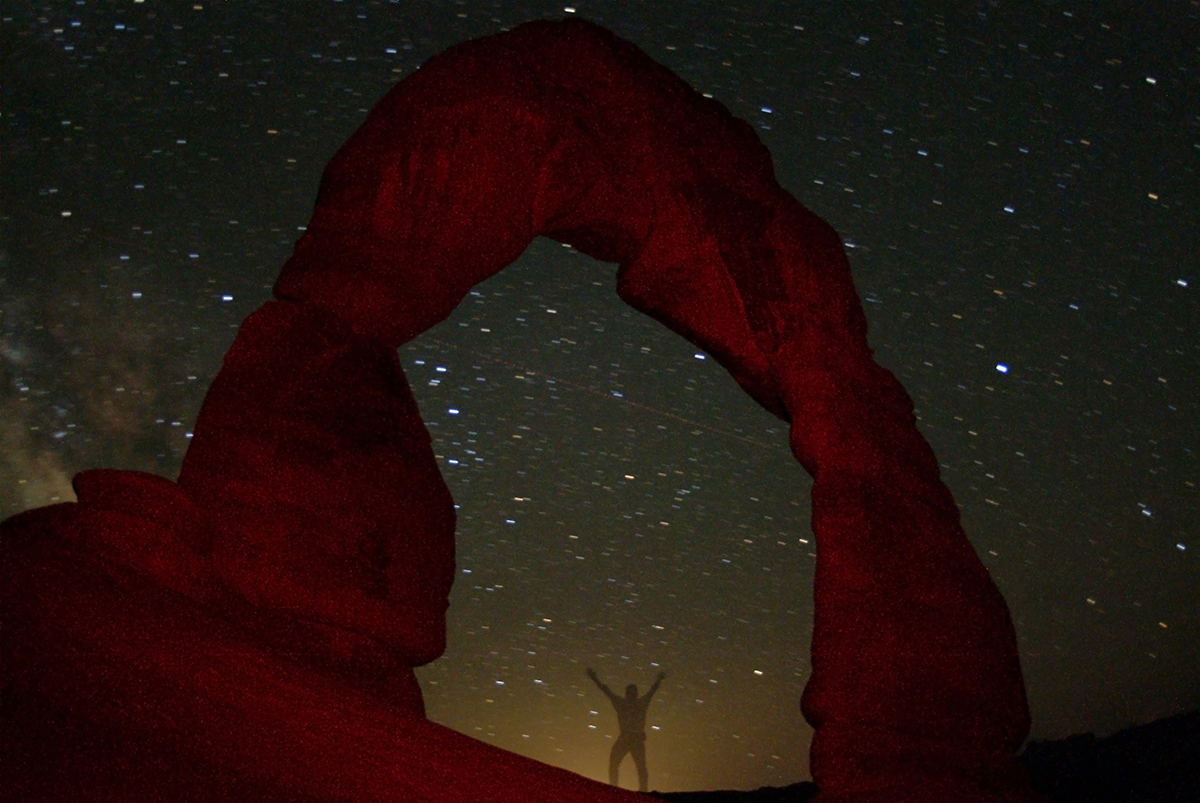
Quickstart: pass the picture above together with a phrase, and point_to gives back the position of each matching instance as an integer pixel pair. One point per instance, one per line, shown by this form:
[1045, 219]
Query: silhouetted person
[631, 717]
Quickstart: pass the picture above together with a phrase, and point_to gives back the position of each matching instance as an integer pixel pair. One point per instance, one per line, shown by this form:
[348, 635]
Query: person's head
[631, 690]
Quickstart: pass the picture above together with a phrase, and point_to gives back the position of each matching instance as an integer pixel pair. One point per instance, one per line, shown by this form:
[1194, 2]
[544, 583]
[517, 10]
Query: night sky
[1016, 185]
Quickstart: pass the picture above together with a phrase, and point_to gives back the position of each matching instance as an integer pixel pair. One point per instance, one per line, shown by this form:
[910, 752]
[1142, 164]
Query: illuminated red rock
[250, 632]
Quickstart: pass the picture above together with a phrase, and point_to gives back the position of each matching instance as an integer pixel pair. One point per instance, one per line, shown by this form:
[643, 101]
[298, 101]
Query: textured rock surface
[256, 624]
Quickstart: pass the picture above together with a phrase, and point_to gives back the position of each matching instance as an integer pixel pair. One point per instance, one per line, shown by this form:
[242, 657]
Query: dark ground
[1154, 763]
[796, 793]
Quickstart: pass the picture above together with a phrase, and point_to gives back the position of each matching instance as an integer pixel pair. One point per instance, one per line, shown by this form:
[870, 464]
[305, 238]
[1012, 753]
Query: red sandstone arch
[311, 502]
[562, 130]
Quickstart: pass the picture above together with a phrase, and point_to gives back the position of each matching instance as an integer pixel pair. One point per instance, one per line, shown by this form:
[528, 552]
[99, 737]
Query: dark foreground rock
[795, 793]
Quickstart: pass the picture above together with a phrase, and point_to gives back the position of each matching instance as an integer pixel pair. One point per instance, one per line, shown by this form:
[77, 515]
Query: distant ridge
[1154, 763]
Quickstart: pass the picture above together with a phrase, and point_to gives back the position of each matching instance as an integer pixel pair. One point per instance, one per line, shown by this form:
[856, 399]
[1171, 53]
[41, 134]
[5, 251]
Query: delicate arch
[562, 129]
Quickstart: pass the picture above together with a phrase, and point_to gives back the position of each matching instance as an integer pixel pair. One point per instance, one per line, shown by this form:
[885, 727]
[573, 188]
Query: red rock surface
[250, 632]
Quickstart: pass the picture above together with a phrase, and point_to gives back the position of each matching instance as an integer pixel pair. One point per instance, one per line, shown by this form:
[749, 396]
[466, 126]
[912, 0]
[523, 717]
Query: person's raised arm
[591, 673]
[657, 682]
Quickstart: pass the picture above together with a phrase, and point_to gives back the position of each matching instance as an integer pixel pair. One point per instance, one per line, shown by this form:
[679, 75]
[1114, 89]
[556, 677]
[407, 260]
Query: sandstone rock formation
[250, 631]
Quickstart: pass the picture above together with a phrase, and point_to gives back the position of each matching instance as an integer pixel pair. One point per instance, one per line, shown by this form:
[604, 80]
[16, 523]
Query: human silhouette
[631, 717]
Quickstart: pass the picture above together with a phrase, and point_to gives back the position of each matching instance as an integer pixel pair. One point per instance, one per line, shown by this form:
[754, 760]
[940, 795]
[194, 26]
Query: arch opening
[744, 601]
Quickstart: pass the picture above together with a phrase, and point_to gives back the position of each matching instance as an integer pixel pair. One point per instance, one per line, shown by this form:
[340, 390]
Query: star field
[1016, 186]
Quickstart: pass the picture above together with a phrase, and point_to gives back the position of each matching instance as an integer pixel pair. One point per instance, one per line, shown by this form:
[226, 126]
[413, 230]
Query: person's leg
[638, 750]
[619, 749]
